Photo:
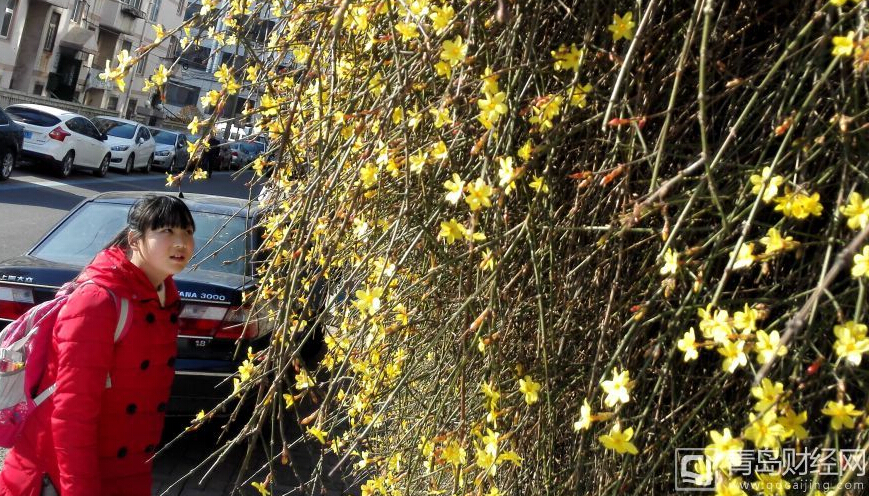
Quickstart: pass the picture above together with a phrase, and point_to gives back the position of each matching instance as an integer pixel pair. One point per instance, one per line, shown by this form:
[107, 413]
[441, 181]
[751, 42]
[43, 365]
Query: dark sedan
[11, 141]
[212, 317]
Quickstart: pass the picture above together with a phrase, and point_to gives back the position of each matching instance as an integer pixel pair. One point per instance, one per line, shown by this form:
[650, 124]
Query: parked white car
[62, 138]
[131, 143]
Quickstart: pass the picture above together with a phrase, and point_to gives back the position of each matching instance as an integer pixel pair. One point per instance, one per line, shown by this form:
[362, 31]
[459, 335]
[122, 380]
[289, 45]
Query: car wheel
[6, 165]
[66, 165]
[148, 164]
[104, 167]
[129, 167]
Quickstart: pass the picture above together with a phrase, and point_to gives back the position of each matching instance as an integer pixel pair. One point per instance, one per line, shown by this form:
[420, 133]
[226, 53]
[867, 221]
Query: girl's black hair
[153, 212]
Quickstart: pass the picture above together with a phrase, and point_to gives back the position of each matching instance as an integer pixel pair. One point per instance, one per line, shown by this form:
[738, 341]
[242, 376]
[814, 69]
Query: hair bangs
[156, 212]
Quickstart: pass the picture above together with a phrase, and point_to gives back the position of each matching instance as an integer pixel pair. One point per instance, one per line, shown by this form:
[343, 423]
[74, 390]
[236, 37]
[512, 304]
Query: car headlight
[120, 148]
[162, 153]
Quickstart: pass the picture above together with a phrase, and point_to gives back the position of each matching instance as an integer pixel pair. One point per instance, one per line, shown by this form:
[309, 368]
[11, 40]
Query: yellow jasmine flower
[407, 30]
[490, 82]
[401, 314]
[774, 242]
[745, 257]
[618, 440]
[223, 74]
[524, 152]
[506, 174]
[441, 17]
[765, 431]
[453, 453]
[734, 356]
[861, 263]
[841, 414]
[442, 117]
[579, 94]
[724, 450]
[566, 59]
[443, 69]
[798, 205]
[159, 34]
[793, 422]
[478, 194]
[715, 325]
[622, 27]
[745, 320]
[767, 346]
[368, 300]
[259, 486]
[671, 262]
[288, 400]
[617, 389]
[304, 381]
[767, 394]
[539, 184]
[246, 370]
[210, 99]
[439, 151]
[530, 389]
[843, 46]
[492, 107]
[851, 342]
[585, 417]
[171, 180]
[771, 190]
[488, 262]
[368, 174]
[161, 75]
[454, 188]
[193, 126]
[857, 211]
[451, 231]
[417, 161]
[688, 345]
[319, 434]
[454, 51]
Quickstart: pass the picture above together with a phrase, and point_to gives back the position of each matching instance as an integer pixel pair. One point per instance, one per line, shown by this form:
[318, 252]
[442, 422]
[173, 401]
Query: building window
[112, 103]
[172, 47]
[155, 9]
[140, 67]
[50, 36]
[37, 89]
[192, 9]
[78, 10]
[180, 96]
[131, 108]
[6, 22]
[180, 7]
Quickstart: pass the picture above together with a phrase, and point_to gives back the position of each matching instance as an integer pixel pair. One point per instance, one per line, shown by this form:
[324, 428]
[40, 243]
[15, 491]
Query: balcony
[132, 8]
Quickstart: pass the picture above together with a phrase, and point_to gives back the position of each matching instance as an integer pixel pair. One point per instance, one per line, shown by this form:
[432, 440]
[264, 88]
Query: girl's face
[162, 252]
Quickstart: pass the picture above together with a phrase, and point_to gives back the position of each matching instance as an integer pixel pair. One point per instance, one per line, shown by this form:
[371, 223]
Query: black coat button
[171, 362]
[161, 407]
[149, 448]
[131, 408]
[122, 452]
[173, 318]
[145, 364]
[150, 318]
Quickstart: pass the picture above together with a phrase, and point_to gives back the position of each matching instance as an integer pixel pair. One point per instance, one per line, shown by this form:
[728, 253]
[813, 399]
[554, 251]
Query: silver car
[171, 153]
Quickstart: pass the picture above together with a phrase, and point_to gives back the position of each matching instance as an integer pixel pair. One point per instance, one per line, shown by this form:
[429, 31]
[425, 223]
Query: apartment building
[58, 48]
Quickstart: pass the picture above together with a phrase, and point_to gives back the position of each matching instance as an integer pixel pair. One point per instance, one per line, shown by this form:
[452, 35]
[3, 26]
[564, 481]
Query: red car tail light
[14, 301]
[216, 322]
[58, 134]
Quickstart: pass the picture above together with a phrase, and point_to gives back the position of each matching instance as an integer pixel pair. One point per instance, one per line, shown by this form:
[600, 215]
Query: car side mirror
[180, 146]
[104, 136]
[140, 140]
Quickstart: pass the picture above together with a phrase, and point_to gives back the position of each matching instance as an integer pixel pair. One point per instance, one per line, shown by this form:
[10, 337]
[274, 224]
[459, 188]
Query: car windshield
[163, 137]
[219, 238]
[115, 128]
[32, 116]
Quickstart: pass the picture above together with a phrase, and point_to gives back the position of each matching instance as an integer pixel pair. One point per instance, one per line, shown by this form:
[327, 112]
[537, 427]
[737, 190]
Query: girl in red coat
[96, 434]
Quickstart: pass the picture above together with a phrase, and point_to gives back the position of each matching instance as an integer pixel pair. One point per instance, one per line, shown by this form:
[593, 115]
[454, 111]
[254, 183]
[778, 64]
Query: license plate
[28, 134]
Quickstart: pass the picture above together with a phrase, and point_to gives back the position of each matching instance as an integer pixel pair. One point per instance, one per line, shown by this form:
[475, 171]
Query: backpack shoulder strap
[122, 305]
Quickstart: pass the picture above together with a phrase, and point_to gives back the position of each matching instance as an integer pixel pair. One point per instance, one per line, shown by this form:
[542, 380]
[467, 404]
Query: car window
[32, 116]
[164, 137]
[144, 133]
[86, 232]
[115, 128]
[3, 119]
[78, 125]
[92, 129]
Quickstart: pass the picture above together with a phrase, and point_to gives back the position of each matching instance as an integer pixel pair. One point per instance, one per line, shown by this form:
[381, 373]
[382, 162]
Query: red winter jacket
[94, 440]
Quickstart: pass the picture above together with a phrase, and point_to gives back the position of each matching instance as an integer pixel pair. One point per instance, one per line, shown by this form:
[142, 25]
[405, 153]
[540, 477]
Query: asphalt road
[31, 202]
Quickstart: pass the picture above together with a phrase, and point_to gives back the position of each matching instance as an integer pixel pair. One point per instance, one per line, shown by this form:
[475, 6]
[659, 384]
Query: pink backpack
[24, 357]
